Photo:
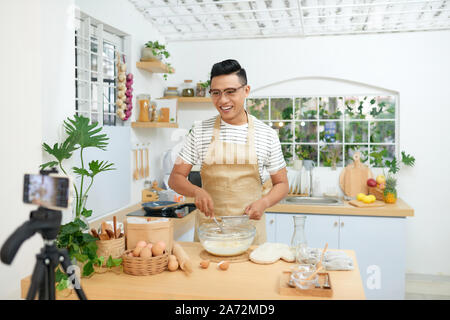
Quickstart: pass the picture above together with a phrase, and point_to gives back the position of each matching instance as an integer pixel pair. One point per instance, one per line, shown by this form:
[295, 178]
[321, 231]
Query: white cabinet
[379, 244]
[271, 225]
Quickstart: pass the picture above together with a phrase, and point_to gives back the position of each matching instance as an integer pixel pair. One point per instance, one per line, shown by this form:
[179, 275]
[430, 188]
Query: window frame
[93, 32]
[343, 120]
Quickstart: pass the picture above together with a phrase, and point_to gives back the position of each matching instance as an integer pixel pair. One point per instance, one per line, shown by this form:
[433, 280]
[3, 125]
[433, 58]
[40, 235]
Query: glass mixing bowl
[234, 240]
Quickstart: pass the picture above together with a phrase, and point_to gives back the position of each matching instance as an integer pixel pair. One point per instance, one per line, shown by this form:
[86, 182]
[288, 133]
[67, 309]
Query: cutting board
[353, 178]
[361, 204]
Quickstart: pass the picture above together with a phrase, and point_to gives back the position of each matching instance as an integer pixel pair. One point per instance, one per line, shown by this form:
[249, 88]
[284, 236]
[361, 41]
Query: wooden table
[244, 280]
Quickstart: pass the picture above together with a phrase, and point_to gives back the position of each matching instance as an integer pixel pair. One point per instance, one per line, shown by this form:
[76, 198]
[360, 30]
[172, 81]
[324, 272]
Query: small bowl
[303, 268]
[302, 284]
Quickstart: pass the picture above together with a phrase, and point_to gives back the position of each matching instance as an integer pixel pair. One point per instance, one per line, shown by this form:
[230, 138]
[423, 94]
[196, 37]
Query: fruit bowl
[234, 240]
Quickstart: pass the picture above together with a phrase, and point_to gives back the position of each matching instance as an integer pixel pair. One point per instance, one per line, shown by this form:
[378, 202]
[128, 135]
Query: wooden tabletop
[243, 280]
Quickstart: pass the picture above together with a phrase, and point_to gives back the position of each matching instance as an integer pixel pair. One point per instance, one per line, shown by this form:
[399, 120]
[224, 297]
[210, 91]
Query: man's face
[228, 96]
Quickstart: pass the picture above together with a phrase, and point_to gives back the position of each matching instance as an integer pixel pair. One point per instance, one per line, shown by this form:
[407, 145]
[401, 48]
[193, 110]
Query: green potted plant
[153, 50]
[74, 236]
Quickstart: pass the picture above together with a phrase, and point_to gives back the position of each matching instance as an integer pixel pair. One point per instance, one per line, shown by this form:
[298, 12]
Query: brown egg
[157, 250]
[145, 253]
[141, 244]
[204, 264]
[137, 251]
[223, 265]
[173, 265]
[130, 254]
[162, 244]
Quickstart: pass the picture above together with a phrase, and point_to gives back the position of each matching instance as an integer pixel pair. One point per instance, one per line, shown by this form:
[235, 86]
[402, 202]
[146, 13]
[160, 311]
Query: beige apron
[230, 175]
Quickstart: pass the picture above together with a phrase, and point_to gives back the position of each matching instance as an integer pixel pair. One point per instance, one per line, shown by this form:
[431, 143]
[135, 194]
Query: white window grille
[329, 129]
[96, 50]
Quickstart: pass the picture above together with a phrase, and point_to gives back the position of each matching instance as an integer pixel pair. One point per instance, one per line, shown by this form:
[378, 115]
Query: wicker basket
[138, 266]
[114, 248]
[377, 192]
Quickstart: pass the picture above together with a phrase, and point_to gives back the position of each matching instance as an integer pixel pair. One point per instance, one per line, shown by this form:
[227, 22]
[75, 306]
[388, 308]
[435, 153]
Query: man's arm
[179, 183]
[278, 192]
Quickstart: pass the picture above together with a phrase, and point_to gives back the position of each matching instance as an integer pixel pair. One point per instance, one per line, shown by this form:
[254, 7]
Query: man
[235, 150]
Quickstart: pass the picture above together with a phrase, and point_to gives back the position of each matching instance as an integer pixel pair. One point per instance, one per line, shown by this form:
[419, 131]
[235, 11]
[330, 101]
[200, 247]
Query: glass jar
[171, 92]
[298, 243]
[144, 106]
[187, 90]
[200, 91]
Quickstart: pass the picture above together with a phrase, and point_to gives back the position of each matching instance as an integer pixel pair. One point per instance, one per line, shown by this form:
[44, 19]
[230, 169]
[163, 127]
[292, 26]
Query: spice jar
[187, 89]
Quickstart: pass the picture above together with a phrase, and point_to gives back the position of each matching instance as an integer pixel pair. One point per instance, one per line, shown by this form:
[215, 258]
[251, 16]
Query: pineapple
[390, 191]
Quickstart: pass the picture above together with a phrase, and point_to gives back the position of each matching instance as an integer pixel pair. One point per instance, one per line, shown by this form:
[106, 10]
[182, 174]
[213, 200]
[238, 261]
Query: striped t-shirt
[267, 144]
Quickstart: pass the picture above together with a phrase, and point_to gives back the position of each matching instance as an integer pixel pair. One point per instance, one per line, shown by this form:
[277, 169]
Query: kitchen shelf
[154, 66]
[191, 99]
[138, 124]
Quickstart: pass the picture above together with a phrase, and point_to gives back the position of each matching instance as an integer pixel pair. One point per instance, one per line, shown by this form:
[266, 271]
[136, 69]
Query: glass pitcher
[299, 245]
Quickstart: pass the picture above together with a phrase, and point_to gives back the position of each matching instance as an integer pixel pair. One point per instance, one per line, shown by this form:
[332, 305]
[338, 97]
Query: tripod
[46, 222]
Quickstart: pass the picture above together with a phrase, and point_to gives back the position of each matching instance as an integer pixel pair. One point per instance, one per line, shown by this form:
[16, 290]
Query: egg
[162, 244]
[173, 265]
[204, 264]
[130, 254]
[141, 244]
[223, 265]
[137, 251]
[145, 253]
[157, 250]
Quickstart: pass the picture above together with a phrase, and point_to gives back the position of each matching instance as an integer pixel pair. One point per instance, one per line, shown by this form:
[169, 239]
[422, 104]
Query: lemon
[367, 199]
[372, 198]
[360, 196]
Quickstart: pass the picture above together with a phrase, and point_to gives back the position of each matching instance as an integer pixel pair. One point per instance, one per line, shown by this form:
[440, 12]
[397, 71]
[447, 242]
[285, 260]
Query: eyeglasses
[229, 92]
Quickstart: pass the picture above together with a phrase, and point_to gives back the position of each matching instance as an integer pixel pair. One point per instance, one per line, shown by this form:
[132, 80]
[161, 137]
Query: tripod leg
[36, 279]
[65, 263]
[51, 282]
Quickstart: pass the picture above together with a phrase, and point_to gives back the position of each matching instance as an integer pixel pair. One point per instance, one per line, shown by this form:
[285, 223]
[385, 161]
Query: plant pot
[200, 91]
[147, 55]
[76, 212]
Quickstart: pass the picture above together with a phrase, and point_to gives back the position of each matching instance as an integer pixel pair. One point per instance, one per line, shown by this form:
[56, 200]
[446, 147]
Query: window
[329, 129]
[97, 48]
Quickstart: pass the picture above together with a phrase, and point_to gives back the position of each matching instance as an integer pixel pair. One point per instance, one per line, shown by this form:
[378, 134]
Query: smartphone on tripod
[49, 191]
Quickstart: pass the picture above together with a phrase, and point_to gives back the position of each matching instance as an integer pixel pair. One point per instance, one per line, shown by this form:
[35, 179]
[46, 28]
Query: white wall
[414, 64]
[122, 15]
[20, 129]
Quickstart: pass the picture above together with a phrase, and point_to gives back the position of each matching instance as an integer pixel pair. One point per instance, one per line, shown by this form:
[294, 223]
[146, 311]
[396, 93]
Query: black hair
[229, 67]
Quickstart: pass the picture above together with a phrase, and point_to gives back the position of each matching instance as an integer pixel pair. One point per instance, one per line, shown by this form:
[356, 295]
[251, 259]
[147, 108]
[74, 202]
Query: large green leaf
[61, 151]
[96, 167]
[84, 134]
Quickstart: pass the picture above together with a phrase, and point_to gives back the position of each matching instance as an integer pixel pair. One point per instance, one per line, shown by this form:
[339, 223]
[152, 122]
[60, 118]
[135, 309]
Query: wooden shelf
[138, 124]
[154, 66]
[191, 99]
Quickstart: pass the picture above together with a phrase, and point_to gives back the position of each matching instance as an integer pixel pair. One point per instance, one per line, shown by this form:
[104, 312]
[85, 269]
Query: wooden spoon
[142, 162]
[136, 171]
[147, 169]
[319, 264]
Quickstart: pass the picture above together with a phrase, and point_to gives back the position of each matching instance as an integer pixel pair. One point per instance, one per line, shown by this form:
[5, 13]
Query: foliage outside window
[330, 129]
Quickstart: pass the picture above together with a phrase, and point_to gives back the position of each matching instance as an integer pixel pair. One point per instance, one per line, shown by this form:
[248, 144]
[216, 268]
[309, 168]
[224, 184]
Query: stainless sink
[318, 201]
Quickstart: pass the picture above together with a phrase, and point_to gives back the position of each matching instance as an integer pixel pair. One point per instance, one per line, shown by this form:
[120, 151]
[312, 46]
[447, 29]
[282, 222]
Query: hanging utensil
[142, 162]
[147, 168]
[136, 170]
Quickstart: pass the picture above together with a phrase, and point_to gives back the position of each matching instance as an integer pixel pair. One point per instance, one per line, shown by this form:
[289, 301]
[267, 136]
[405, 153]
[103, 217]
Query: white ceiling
[185, 20]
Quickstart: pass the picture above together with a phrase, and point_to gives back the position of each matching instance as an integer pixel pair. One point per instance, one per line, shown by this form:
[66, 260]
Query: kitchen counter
[245, 280]
[398, 209]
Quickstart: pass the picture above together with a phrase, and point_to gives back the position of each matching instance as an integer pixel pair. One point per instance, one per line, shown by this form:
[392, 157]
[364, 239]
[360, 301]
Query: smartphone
[49, 191]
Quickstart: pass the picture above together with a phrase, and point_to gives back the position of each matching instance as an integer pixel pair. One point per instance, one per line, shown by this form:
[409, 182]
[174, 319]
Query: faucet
[309, 165]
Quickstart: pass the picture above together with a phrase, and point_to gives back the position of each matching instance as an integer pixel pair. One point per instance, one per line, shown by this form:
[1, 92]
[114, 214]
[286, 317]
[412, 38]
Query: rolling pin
[183, 258]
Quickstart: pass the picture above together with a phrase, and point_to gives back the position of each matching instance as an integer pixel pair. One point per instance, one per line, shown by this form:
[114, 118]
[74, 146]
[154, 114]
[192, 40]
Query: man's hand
[256, 209]
[204, 202]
